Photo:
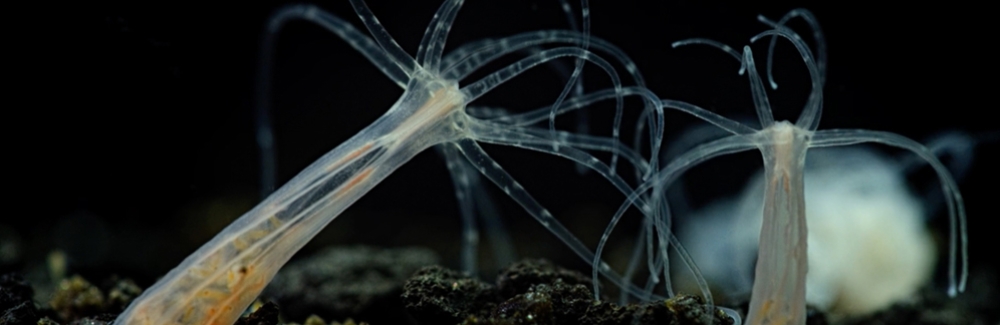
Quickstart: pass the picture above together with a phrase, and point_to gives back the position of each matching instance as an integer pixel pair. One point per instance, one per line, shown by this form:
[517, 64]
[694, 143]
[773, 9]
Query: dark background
[130, 125]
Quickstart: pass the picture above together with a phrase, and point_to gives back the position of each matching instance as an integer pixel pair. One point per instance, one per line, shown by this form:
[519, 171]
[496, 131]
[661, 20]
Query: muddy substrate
[404, 286]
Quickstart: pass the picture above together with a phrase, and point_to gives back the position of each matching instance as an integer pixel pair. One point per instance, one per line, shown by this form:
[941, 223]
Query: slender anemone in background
[778, 294]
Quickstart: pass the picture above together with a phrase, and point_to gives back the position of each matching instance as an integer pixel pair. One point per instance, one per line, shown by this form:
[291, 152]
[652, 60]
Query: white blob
[868, 245]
